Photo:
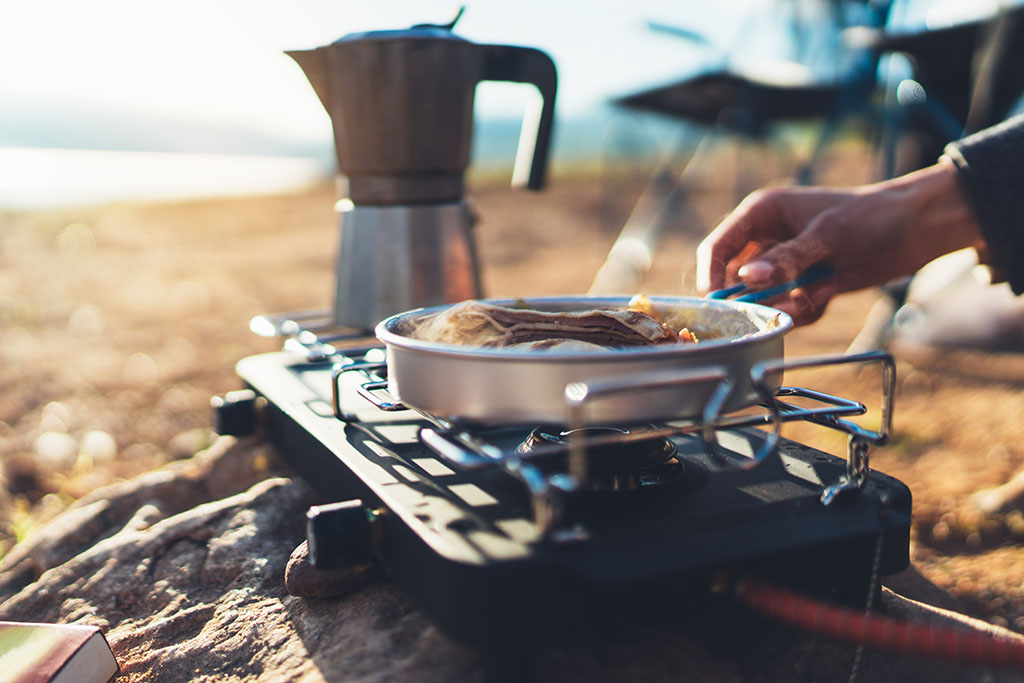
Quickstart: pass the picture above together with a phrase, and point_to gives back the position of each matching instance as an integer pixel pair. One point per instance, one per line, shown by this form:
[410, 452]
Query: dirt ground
[118, 323]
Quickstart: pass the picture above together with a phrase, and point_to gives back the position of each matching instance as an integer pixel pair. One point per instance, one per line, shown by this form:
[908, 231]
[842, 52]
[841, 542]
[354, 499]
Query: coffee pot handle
[527, 65]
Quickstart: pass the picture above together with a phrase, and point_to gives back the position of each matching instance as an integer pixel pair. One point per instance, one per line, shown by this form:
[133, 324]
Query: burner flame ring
[619, 458]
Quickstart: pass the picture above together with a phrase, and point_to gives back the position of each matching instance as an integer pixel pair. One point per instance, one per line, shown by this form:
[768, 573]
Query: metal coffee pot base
[397, 258]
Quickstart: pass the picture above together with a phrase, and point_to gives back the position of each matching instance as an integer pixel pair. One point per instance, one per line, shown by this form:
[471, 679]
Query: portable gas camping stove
[508, 536]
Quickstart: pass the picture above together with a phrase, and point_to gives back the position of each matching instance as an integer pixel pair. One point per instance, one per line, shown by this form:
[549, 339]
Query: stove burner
[621, 459]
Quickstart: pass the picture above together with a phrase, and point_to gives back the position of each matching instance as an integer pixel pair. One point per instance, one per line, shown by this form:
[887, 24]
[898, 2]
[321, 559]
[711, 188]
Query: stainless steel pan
[496, 386]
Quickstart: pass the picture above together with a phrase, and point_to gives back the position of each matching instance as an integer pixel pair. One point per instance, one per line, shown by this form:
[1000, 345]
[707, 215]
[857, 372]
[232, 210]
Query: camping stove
[507, 536]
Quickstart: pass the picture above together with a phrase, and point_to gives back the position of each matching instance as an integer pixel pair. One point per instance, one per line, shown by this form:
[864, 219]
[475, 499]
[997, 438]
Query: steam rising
[464, 324]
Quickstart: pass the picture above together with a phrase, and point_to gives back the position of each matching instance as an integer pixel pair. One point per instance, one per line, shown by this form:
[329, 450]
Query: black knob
[234, 413]
[340, 534]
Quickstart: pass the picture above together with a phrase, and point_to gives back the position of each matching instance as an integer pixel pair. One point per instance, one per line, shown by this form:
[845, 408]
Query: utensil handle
[818, 271]
[527, 65]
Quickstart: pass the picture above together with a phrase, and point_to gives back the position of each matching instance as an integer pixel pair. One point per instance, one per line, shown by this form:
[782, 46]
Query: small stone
[140, 369]
[76, 237]
[86, 321]
[49, 422]
[188, 443]
[303, 580]
[55, 417]
[56, 450]
[99, 446]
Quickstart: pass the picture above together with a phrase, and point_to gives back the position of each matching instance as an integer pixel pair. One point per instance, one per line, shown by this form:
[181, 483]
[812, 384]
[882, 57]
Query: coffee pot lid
[418, 31]
[399, 34]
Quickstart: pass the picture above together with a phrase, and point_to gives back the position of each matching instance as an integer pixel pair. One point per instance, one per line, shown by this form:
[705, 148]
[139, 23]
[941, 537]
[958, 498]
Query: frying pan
[472, 384]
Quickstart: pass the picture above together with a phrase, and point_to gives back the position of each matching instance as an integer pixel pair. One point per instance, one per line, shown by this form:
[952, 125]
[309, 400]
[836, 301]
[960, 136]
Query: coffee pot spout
[314, 65]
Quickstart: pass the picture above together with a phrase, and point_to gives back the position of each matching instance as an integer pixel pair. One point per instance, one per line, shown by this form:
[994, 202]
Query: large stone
[227, 467]
[190, 589]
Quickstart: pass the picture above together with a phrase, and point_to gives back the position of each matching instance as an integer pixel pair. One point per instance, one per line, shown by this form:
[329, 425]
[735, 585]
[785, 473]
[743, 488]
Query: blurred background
[116, 99]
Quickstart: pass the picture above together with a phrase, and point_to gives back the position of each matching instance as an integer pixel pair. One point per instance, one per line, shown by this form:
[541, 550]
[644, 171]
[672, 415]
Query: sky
[222, 60]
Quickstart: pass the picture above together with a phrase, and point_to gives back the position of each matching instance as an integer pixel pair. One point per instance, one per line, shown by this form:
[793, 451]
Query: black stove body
[455, 516]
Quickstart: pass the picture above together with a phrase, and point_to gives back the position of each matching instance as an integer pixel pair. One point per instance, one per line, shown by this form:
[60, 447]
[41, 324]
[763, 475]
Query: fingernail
[755, 271]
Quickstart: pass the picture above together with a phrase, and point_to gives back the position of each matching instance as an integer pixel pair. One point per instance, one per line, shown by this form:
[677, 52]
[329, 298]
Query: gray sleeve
[991, 169]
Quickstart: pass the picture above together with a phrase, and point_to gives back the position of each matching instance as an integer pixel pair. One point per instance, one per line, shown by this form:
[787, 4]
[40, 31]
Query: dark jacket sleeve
[991, 169]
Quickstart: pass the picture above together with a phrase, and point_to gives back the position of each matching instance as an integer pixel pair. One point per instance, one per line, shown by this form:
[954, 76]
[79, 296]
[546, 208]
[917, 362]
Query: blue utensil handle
[818, 271]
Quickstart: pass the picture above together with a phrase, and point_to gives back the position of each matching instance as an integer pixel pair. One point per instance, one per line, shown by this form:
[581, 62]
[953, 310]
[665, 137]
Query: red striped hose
[931, 640]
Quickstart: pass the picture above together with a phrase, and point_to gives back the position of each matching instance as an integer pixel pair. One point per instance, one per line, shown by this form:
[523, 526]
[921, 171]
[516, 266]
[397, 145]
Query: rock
[187, 579]
[227, 467]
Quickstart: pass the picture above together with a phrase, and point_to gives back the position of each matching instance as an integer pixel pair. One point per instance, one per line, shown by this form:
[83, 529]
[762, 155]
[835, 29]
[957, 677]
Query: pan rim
[758, 313]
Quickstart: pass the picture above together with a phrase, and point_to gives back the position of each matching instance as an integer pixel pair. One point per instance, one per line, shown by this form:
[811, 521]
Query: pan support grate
[313, 338]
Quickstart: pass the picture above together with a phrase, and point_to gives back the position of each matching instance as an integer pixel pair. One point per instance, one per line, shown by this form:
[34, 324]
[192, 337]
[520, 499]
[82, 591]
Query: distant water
[47, 177]
[35, 178]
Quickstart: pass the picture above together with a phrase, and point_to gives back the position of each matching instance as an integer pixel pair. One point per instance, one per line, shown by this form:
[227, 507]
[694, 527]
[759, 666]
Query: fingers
[756, 216]
[786, 260]
[783, 217]
[805, 304]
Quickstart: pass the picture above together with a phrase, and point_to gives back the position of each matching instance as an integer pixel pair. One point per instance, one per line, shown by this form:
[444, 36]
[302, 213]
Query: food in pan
[478, 323]
[462, 380]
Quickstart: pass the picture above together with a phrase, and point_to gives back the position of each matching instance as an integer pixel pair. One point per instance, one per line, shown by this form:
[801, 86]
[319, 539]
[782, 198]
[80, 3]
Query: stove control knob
[341, 534]
[234, 413]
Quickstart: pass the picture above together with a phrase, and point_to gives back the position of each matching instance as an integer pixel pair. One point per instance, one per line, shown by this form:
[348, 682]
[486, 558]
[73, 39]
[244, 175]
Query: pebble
[99, 445]
[188, 443]
[76, 237]
[55, 417]
[56, 450]
[140, 369]
[86, 321]
[52, 423]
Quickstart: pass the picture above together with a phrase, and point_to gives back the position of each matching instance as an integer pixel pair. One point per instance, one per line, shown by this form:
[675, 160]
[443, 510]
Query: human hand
[868, 235]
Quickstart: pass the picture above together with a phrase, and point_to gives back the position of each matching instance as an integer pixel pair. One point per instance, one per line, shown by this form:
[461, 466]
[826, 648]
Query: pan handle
[829, 416]
[367, 390]
[860, 438]
[818, 271]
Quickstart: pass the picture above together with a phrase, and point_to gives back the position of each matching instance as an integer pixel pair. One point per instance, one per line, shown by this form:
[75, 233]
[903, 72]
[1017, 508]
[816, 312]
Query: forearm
[936, 214]
[990, 167]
